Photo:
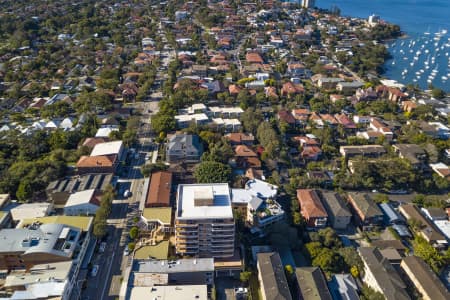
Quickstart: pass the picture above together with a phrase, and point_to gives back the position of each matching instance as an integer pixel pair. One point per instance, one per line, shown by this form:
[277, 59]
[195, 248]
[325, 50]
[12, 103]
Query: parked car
[102, 247]
[126, 252]
[127, 194]
[94, 270]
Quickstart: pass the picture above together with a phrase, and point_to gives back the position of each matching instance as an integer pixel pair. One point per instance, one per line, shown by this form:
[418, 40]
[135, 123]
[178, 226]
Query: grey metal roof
[56, 239]
[365, 205]
[273, 277]
[384, 273]
[312, 284]
[335, 205]
[390, 213]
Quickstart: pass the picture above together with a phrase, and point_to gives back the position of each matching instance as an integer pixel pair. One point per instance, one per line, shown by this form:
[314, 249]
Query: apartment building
[204, 224]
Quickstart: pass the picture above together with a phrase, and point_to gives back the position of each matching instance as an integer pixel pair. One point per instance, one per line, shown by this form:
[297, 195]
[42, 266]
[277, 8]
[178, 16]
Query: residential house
[285, 116]
[301, 115]
[349, 88]
[97, 164]
[338, 213]
[441, 169]
[184, 148]
[272, 278]
[362, 150]
[158, 194]
[365, 211]
[423, 226]
[379, 126]
[240, 138]
[380, 275]
[290, 89]
[311, 284]
[424, 279]
[254, 58]
[344, 287]
[312, 208]
[415, 154]
[328, 83]
[245, 158]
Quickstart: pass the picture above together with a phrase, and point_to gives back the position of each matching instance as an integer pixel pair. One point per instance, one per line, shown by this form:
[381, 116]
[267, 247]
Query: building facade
[204, 223]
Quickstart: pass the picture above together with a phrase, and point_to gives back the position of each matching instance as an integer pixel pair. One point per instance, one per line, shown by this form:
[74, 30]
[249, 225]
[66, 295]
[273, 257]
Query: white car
[102, 247]
[126, 252]
[127, 194]
[94, 270]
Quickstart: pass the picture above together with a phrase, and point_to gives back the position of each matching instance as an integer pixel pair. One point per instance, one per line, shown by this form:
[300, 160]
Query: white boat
[427, 51]
[444, 78]
[393, 63]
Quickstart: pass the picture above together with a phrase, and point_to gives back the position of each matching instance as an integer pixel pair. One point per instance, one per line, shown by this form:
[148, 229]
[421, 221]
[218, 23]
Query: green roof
[84, 223]
[162, 214]
[159, 251]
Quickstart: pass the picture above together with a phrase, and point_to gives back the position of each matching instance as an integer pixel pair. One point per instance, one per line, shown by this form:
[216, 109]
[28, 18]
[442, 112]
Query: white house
[82, 203]
[67, 123]
[52, 124]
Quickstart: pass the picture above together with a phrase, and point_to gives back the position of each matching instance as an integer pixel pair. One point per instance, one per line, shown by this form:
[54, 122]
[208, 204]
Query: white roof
[219, 121]
[78, 198]
[233, 122]
[30, 211]
[188, 118]
[444, 227]
[261, 189]
[241, 196]
[39, 273]
[41, 290]
[173, 292]
[104, 132]
[220, 209]
[107, 148]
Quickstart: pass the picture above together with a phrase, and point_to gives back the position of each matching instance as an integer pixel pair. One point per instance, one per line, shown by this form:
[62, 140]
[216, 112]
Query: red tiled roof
[310, 204]
[97, 161]
[159, 190]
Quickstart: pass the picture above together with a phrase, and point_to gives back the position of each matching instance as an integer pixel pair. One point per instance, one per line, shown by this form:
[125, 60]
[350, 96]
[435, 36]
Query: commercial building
[272, 280]
[82, 203]
[338, 214]
[311, 208]
[380, 275]
[175, 292]
[196, 271]
[204, 223]
[30, 210]
[424, 279]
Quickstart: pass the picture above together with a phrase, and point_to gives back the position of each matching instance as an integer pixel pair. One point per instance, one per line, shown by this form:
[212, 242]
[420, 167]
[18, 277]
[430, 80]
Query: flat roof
[82, 222]
[161, 214]
[30, 210]
[176, 266]
[170, 292]
[158, 251]
[39, 273]
[221, 208]
[107, 148]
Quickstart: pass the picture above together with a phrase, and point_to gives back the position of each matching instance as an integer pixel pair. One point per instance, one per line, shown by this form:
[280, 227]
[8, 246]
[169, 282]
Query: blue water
[415, 17]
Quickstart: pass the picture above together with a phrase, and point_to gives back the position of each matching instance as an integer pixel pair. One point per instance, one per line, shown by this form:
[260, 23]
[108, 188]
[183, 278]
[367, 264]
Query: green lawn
[159, 251]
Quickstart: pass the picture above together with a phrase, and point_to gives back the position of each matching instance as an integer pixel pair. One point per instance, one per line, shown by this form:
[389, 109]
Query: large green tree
[212, 172]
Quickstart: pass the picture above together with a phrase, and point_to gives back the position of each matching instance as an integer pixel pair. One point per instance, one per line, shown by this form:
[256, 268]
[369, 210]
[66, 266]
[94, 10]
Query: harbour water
[421, 58]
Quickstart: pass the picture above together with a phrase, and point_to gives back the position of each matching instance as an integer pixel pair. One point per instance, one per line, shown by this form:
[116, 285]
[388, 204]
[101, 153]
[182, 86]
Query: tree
[100, 228]
[134, 231]
[328, 261]
[437, 93]
[245, 276]
[212, 172]
[163, 123]
[24, 191]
